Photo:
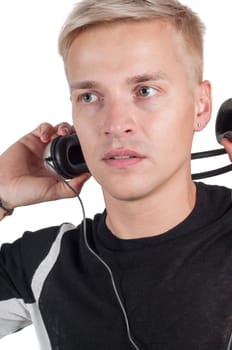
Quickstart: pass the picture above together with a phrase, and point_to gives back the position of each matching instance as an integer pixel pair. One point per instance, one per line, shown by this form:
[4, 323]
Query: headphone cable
[106, 266]
[130, 338]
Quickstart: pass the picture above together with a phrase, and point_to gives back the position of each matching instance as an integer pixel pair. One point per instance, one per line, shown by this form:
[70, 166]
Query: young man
[153, 271]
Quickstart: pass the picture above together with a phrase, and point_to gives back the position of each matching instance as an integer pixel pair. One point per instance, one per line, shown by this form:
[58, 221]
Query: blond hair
[93, 13]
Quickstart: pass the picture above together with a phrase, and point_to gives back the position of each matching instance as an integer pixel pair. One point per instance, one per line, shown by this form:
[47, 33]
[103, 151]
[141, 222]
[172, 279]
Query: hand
[23, 177]
[227, 144]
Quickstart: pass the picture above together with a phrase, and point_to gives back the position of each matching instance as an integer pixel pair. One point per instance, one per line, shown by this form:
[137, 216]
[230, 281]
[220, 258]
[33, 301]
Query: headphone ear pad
[67, 157]
[224, 121]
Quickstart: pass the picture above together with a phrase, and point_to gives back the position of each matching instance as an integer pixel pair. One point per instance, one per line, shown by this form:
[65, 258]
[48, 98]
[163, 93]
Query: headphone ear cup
[224, 121]
[67, 157]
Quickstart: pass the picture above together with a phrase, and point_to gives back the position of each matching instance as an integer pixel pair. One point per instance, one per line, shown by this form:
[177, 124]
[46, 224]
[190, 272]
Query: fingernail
[65, 130]
[45, 137]
[87, 176]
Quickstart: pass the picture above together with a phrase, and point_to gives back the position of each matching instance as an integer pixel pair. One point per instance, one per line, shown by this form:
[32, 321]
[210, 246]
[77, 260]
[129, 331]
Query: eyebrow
[86, 84]
[140, 78]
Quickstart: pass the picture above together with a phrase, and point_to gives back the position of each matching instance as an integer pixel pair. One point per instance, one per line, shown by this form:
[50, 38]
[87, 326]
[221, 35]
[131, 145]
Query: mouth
[122, 158]
[126, 156]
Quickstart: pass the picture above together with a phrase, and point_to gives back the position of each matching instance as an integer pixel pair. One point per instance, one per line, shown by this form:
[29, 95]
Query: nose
[119, 120]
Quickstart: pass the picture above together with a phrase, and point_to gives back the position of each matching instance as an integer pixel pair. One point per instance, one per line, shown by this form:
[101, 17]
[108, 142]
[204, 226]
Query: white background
[33, 89]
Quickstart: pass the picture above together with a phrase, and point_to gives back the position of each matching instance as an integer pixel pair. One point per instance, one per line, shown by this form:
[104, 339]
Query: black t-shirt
[175, 287]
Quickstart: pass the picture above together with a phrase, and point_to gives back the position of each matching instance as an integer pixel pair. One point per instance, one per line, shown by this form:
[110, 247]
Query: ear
[203, 105]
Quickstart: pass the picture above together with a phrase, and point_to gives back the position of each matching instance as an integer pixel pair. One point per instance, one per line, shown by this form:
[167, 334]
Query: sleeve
[18, 263]
[14, 294]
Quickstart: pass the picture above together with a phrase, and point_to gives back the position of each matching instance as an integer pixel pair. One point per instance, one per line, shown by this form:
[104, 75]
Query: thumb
[75, 185]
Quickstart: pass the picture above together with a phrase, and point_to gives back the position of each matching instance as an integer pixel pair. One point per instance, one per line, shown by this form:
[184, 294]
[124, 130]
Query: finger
[227, 144]
[78, 182]
[72, 189]
[64, 128]
[44, 131]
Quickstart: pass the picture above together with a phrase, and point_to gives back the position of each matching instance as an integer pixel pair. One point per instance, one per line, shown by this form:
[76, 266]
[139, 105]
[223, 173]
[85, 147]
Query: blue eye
[145, 91]
[88, 98]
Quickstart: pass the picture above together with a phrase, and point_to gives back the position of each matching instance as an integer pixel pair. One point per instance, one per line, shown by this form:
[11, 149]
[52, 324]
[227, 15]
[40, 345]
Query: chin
[127, 186]
[128, 193]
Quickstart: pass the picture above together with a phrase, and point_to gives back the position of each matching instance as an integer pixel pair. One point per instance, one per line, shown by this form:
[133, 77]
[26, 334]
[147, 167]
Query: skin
[23, 177]
[132, 94]
[146, 195]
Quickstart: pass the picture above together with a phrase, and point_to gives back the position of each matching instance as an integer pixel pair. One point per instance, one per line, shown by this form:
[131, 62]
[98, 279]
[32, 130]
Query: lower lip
[122, 163]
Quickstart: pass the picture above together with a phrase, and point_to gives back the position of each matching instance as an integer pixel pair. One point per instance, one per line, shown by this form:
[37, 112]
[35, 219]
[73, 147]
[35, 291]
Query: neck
[152, 215]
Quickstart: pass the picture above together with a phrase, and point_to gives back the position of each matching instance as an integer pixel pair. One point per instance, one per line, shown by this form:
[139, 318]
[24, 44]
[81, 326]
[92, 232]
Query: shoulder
[214, 195]
[26, 253]
[219, 189]
[215, 208]
[34, 246]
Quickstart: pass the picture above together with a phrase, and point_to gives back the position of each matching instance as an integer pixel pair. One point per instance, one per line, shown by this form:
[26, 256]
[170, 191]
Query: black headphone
[64, 154]
[223, 128]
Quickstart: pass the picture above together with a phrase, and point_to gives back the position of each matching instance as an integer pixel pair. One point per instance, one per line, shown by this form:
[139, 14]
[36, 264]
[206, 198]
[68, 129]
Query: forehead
[125, 45]
[117, 33]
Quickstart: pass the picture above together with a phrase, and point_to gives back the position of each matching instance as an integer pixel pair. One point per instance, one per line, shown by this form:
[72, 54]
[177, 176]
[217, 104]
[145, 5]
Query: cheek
[172, 132]
[88, 138]
[82, 113]
[182, 135]
[83, 117]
